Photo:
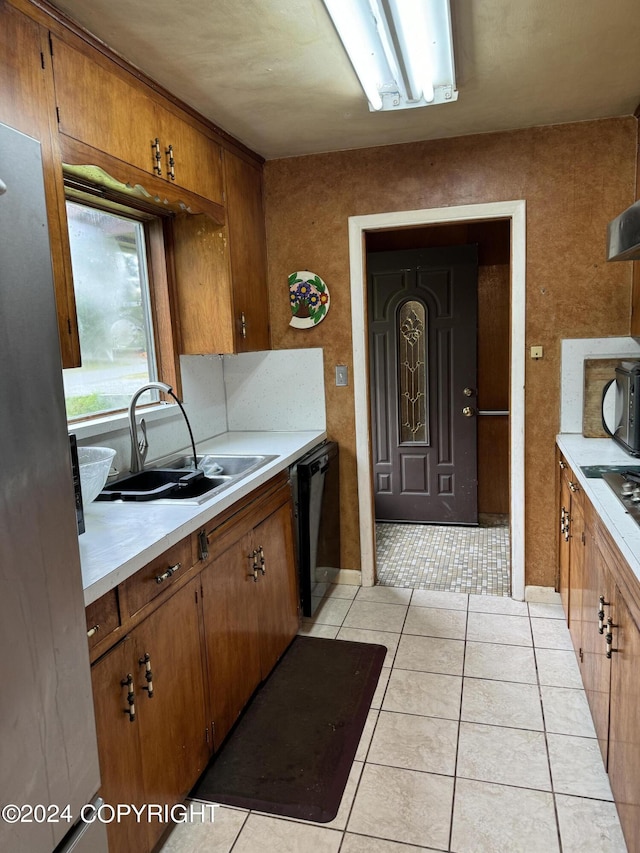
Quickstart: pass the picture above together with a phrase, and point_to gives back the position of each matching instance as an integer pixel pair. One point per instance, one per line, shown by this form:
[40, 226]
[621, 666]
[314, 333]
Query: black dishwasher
[316, 492]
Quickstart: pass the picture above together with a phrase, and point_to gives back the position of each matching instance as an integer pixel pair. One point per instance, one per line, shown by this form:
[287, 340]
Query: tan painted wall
[574, 178]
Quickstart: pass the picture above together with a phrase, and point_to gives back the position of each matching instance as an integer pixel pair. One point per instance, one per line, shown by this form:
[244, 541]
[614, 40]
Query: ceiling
[274, 74]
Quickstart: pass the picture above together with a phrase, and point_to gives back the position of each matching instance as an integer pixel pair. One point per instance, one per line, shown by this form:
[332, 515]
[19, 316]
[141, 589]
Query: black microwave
[626, 427]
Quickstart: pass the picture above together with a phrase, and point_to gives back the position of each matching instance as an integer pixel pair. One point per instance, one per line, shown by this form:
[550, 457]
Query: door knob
[468, 411]
[468, 392]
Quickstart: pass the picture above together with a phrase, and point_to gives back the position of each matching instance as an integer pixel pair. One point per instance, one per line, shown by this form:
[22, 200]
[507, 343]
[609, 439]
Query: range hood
[623, 235]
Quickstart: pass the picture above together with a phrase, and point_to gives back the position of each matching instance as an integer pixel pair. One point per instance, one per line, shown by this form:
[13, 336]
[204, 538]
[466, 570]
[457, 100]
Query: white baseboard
[542, 594]
[349, 576]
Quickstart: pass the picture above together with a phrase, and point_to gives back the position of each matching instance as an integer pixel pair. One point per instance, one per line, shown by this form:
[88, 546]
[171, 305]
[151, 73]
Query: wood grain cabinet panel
[155, 755]
[156, 577]
[198, 159]
[595, 667]
[248, 253]
[624, 734]
[27, 104]
[103, 617]
[277, 588]
[231, 632]
[104, 107]
[250, 605]
[119, 745]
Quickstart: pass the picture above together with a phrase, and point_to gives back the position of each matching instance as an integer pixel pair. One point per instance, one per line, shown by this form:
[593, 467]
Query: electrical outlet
[341, 375]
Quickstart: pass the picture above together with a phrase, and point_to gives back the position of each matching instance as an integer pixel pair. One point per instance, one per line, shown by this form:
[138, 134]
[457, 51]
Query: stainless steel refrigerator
[48, 751]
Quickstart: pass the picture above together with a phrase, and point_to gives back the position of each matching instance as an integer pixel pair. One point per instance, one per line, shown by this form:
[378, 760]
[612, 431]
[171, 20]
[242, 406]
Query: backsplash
[574, 353]
[275, 390]
[280, 390]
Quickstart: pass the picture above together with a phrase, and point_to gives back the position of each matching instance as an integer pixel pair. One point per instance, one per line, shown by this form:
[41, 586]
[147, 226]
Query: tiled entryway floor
[445, 557]
[479, 739]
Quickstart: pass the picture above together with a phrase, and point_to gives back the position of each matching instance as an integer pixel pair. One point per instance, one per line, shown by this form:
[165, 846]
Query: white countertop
[578, 452]
[122, 537]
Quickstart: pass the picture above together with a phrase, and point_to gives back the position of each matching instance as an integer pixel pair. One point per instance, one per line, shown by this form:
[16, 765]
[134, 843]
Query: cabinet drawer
[156, 576]
[103, 617]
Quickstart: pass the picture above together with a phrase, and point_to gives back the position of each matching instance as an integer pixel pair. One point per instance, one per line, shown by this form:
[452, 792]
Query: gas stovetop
[626, 487]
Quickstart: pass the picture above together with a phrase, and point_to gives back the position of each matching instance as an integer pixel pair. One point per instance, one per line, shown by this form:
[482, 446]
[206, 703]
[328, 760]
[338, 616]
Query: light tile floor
[479, 738]
[445, 557]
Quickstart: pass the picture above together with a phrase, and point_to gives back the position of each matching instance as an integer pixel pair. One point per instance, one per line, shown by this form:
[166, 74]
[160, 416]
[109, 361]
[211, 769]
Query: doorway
[423, 319]
[360, 229]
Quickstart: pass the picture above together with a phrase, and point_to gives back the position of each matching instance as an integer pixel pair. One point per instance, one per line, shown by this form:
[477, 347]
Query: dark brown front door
[422, 356]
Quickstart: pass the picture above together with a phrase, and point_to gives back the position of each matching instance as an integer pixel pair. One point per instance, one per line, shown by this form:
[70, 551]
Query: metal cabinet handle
[171, 163]
[170, 571]
[243, 325]
[131, 697]
[203, 545]
[255, 567]
[602, 605]
[157, 156]
[93, 631]
[145, 661]
[609, 637]
[260, 553]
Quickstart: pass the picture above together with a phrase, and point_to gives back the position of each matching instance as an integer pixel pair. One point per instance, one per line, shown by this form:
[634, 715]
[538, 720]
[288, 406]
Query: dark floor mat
[292, 750]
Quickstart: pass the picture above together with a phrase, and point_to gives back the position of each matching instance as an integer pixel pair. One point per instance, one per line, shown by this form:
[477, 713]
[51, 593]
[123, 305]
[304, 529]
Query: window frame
[157, 232]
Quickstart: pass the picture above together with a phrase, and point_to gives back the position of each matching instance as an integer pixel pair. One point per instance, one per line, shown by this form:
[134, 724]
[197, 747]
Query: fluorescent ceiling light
[401, 50]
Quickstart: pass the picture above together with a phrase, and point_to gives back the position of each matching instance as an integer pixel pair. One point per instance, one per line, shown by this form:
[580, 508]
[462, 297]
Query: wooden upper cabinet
[103, 106]
[197, 158]
[26, 103]
[248, 253]
[23, 95]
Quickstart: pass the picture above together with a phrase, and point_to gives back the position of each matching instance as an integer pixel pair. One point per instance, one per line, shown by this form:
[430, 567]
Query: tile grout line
[546, 739]
[455, 765]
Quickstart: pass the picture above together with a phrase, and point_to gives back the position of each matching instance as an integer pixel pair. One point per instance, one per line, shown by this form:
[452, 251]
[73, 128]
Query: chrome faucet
[139, 447]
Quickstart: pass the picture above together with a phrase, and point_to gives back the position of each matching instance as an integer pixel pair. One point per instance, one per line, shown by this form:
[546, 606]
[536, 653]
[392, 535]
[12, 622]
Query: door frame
[515, 211]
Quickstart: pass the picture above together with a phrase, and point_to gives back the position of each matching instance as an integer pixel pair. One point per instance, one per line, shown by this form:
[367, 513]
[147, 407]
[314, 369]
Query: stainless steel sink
[228, 464]
[177, 480]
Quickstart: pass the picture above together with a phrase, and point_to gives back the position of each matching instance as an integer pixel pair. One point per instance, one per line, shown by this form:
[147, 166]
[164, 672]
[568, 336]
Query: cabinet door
[624, 736]
[26, 103]
[595, 667]
[119, 747]
[231, 633]
[577, 546]
[23, 96]
[563, 541]
[247, 244]
[197, 159]
[277, 587]
[97, 105]
[173, 720]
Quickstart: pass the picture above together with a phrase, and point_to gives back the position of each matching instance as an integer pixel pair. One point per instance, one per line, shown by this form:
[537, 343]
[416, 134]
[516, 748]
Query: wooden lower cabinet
[208, 638]
[602, 601]
[276, 587]
[231, 634]
[595, 667]
[624, 726]
[156, 756]
[250, 607]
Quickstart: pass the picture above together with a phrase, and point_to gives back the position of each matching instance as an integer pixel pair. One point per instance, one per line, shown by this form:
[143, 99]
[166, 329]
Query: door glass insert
[412, 361]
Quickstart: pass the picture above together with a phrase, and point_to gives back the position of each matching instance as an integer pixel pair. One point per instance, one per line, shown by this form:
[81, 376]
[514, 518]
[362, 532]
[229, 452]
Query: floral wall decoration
[309, 299]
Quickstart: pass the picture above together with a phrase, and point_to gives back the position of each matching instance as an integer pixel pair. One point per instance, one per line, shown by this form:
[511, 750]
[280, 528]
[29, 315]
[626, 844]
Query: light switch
[536, 352]
[341, 375]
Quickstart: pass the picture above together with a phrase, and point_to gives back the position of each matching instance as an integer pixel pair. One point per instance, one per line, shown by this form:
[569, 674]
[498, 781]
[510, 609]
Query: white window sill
[120, 421]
